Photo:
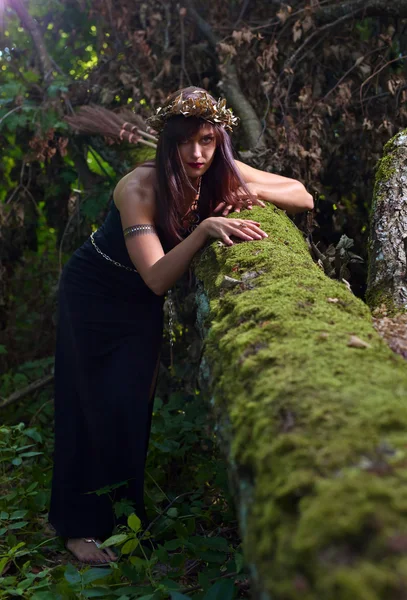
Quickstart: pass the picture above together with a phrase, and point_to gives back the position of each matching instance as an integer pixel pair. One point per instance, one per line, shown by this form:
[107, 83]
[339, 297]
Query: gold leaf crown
[201, 106]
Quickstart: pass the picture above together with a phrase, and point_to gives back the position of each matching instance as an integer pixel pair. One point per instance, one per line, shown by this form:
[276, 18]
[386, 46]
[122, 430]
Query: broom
[124, 125]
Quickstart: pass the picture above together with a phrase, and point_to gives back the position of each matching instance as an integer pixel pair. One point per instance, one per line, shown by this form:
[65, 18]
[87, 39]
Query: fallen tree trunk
[311, 411]
[387, 279]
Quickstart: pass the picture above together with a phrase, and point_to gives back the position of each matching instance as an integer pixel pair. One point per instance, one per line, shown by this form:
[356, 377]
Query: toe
[111, 555]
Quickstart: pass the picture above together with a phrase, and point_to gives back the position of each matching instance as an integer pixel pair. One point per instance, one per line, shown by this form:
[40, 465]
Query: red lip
[196, 165]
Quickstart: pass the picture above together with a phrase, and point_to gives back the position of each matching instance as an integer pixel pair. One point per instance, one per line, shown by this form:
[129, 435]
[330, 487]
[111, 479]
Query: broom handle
[147, 143]
[147, 135]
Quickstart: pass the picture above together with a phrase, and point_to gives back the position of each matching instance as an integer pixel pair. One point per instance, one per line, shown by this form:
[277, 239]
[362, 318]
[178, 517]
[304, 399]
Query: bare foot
[88, 552]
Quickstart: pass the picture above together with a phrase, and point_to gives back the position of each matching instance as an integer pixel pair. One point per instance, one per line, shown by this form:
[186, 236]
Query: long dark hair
[219, 184]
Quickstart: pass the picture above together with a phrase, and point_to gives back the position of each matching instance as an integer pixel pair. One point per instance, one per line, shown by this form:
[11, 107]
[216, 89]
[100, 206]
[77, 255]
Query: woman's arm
[160, 271]
[288, 194]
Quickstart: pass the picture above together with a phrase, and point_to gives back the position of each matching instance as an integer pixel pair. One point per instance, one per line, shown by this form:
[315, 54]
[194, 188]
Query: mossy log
[311, 410]
[387, 282]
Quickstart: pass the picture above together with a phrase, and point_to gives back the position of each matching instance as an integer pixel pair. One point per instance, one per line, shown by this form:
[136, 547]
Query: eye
[208, 139]
[181, 142]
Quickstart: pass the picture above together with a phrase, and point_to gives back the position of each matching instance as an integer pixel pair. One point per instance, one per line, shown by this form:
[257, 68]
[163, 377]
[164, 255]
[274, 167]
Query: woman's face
[198, 151]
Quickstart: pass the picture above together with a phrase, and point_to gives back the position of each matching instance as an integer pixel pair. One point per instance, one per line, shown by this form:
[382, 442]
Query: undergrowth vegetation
[194, 550]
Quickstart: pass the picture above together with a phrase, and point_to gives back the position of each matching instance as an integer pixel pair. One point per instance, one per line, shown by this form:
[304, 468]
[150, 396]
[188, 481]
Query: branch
[329, 25]
[10, 112]
[251, 124]
[371, 8]
[31, 25]
[33, 387]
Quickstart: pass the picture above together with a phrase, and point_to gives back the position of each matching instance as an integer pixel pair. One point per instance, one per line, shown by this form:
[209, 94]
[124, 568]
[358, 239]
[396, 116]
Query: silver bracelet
[138, 230]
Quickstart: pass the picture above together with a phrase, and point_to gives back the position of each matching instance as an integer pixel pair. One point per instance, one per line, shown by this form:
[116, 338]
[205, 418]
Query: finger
[227, 210]
[110, 554]
[246, 233]
[251, 228]
[219, 207]
[258, 202]
[226, 240]
[255, 226]
[237, 210]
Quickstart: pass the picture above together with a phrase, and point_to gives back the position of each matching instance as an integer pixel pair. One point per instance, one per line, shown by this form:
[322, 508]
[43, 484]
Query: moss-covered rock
[311, 408]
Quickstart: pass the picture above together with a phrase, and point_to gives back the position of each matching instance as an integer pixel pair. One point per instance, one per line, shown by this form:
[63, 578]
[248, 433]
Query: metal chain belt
[108, 257]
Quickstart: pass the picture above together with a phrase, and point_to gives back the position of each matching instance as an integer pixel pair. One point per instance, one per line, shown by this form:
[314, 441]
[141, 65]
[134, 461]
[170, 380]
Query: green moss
[385, 170]
[379, 296]
[317, 427]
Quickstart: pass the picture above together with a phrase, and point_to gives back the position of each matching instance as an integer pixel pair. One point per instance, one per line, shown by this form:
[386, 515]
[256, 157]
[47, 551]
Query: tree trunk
[311, 413]
[387, 284]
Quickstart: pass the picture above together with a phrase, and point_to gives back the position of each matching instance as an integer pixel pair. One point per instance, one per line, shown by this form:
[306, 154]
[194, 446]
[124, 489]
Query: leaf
[344, 243]
[34, 434]
[18, 525]
[172, 512]
[31, 76]
[297, 31]
[97, 592]
[3, 563]
[239, 561]
[72, 575]
[217, 543]
[356, 342]
[134, 523]
[3, 349]
[221, 590]
[211, 556]
[173, 545]
[130, 546]
[114, 540]
[95, 574]
[178, 596]
[30, 454]
[45, 596]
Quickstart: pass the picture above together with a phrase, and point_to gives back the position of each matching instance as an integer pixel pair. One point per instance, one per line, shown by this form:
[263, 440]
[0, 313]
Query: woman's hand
[244, 203]
[222, 228]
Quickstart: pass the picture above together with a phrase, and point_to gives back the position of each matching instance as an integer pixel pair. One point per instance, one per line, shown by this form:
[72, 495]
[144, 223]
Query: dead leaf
[227, 49]
[356, 342]
[297, 31]
[229, 282]
[333, 300]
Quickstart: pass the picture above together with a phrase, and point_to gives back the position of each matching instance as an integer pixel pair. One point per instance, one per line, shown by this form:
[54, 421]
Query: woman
[110, 307]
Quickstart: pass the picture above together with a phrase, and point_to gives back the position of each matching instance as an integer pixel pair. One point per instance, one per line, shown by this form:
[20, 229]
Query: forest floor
[195, 550]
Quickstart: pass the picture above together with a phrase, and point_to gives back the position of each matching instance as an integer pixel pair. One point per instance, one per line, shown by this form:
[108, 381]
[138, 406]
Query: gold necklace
[193, 215]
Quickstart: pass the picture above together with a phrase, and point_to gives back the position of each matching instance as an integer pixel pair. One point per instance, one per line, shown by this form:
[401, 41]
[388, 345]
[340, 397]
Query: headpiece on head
[199, 105]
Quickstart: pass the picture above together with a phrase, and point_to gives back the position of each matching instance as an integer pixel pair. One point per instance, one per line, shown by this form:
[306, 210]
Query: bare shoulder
[140, 184]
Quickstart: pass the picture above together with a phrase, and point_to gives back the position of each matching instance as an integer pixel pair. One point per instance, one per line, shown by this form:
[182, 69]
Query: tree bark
[311, 413]
[387, 283]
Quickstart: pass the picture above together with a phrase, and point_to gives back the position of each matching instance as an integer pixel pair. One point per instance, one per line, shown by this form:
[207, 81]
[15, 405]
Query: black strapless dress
[108, 344]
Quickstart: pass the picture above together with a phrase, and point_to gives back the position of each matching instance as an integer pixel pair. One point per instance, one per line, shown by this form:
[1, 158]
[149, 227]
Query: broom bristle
[123, 125]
